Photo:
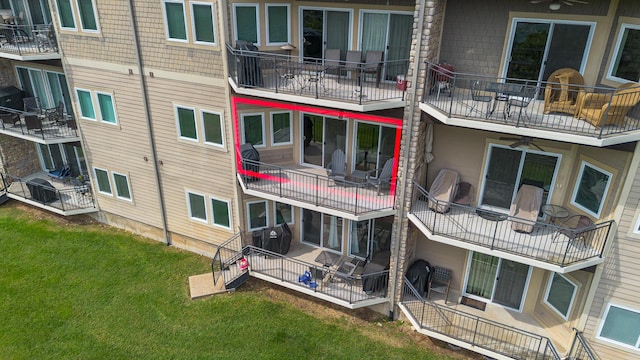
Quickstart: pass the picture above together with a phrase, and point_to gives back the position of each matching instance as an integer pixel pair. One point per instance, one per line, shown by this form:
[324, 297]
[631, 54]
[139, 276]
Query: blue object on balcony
[305, 278]
[60, 173]
[313, 284]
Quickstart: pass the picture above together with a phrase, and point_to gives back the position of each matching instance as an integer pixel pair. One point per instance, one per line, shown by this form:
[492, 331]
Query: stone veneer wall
[18, 157]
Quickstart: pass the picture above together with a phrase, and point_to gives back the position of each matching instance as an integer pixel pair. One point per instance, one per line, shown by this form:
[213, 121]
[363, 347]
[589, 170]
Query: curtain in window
[400, 32]
[39, 11]
[333, 232]
[337, 31]
[175, 21]
[39, 88]
[246, 25]
[66, 14]
[482, 275]
[203, 23]
[59, 91]
[374, 32]
[25, 80]
[45, 154]
[278, 24]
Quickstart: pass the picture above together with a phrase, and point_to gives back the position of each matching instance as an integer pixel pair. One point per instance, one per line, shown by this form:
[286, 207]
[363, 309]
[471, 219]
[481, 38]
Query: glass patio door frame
[324, 10]
[495, 285]
[378, 164]
[552, 23]
[324, 132]
[323, 218]
[523, 154]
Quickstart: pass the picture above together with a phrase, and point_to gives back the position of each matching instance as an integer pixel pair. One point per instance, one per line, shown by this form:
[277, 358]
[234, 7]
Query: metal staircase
[223, 265]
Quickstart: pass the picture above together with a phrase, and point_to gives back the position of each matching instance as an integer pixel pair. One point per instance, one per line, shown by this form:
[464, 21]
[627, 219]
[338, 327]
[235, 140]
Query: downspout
[405, 153]
[145, 107]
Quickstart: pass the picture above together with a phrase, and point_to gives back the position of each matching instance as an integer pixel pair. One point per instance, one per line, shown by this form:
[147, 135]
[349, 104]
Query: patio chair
[55, 114]
[440, 282]
[563, 91]
[521, 102]
[10, 119]
[71, 124]
[384, 175]
[574, 228]
[338, 166]
[373, 65]
[352, 63]
[607, 109]
[33, 122]
[525, 208]
[332, 61]
[443, 190]
[477, 98]
[465, 194]
[32, 105]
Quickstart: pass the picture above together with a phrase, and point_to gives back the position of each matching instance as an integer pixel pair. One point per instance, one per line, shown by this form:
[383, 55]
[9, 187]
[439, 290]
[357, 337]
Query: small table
[358, 176]
[503, 91]
[554, 212]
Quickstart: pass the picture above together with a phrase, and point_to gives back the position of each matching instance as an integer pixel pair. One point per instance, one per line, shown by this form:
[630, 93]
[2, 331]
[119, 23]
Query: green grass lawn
[89, 291]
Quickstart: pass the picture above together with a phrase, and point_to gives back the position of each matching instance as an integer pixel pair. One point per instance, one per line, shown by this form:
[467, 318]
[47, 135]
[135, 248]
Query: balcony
[37, 127]
[57, 196]
[339, 85]
[313, 189]
[28, 42]
[472, 332]
[517, 106]
[471, 228]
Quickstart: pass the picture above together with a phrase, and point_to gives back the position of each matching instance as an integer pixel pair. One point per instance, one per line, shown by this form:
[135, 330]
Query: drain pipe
[405, 153]
[145, 108]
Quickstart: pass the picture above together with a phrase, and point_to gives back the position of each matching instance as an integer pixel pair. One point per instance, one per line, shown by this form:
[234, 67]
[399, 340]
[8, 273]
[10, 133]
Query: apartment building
[309, 137]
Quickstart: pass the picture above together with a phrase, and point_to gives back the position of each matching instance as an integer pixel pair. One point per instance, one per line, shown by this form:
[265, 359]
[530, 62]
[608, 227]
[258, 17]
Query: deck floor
[70, 198]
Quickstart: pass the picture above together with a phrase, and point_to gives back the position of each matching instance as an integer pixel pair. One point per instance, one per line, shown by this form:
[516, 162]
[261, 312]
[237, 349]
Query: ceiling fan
[524, 140]
[555, 4]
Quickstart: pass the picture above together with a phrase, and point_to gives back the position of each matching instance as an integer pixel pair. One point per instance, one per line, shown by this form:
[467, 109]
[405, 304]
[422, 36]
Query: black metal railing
[549, 243]
[474, 330]
[27, 39]
[66, 199]
[326, 281]
[574, 109]
[39, 125]
[353, 82]
[320, 190]
[225, 256]
[580, 349]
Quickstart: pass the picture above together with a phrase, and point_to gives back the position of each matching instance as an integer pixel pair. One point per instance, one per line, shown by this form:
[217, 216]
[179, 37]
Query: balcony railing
[573, 109]
[580, 348]
[348, 196]
[35, 125]
[327, 281]
[547, 242]
[67, 199]
[27, 39]
[338, 80]
[475, 331]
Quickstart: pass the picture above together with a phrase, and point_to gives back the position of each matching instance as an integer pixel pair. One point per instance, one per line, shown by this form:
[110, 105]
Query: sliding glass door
[324, 29]
[322, 136]
[374, 145]
[59, 156]
[48, 86]
[369, 237]
[322, 230]
[390, 33]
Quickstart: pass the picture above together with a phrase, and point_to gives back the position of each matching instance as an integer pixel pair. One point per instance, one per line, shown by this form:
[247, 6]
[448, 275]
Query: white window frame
[115, 187]
[616, 51]
[273, 142]
[603, 319]
[193, 23]
[213, 217]
[73, 14]
[99, 112]
[195, 121]
[577, 186]
[95, 174]
[95, 16]
[573, 295]
[264, 135]
[206, 209]
[166, 21]
[93, 103]
[235, 24]
[204, 132]
[266, 16]
[267, 215]
[275, 213]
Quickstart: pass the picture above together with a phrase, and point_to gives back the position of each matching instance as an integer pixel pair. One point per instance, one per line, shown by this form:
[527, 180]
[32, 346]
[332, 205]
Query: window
[281, 128]
[203, 23]
[102, 180]
[221, 213]
[246, 22]
[560, 294]
[186, 118]
[197, 207]
[212, 125]
[175, 20]
[258, 215]
[65, 14]
[591, 189]
[86, 9]
[284, 213]
[107, 111]
[278, 24]
[49, 87]
[121, 183]
[253, 129]
[621, 325]
[86, 104]
[626, 63]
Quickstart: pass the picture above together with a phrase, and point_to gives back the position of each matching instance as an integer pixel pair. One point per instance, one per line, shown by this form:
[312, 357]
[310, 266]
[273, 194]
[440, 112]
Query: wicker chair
[562, 93]
[607, 109]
